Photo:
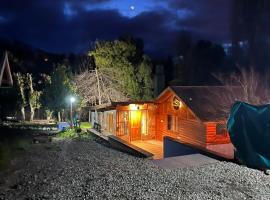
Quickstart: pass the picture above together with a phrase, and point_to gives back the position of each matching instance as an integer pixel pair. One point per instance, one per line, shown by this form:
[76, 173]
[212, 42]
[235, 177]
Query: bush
[76, 133]
[78, 130]
[68, 133]
[85, 135]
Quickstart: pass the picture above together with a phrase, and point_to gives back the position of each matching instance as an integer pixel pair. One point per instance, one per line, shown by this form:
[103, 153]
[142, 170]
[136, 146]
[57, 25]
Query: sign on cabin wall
[176, 103]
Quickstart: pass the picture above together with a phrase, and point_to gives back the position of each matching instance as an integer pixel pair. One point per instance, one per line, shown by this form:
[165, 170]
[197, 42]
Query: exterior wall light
[134, 107]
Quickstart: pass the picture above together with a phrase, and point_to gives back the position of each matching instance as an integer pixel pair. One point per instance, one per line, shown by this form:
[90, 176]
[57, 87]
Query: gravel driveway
[88, 170]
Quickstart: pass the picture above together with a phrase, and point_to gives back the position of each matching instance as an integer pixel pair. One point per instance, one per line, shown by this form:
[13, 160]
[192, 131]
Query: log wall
[185, 125]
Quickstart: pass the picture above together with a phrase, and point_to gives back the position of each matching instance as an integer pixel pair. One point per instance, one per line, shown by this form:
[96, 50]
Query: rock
[267, 172]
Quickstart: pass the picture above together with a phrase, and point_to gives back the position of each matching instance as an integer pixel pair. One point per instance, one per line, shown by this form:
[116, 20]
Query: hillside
[27, 59]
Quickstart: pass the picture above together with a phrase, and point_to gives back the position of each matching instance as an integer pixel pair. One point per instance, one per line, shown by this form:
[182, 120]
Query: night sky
[64, 26]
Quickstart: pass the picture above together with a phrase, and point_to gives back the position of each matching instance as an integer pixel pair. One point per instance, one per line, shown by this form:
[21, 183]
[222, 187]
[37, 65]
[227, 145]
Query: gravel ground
[87, 170]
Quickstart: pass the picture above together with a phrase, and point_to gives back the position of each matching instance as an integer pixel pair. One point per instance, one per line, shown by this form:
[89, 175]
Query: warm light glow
[144, 123]
[135, 118]
[134, 107]
[176, 103]
[72, 99]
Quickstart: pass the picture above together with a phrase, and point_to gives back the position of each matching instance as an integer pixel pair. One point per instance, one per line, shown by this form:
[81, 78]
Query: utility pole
[72, 100]
[98, 85]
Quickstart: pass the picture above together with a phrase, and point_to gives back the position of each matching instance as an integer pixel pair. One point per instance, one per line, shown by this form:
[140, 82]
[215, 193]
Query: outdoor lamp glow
[134, 107]
[72, 99]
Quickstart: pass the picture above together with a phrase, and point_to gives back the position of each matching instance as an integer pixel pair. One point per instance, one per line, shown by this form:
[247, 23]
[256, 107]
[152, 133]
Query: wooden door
[135, 125]
[110, 123]
[122, 129]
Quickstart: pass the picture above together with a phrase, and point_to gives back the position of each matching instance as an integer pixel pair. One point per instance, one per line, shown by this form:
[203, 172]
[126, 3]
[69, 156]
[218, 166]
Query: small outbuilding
[129, 121]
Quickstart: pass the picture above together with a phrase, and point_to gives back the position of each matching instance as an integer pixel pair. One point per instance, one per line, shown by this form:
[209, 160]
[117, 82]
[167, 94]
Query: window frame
[170, 116]
[221, 131]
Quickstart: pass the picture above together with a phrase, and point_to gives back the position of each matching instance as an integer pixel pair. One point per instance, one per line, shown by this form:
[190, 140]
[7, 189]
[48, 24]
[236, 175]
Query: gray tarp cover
[249, 129]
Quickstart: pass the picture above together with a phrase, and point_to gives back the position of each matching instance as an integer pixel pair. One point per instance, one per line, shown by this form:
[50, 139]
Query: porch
[154, 147]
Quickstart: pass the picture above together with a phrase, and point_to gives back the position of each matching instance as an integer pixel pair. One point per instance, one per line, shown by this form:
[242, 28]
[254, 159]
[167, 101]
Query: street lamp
[72, 100]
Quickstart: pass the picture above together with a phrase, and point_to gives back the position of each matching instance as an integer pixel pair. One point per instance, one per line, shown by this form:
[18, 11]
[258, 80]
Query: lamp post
[72, 100]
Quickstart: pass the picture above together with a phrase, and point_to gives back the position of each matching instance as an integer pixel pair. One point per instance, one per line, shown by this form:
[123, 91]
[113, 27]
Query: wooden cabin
[129, 121]
[5, 72]
[193, 114]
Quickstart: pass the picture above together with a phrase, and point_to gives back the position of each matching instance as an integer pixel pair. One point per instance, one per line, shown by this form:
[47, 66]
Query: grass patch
[69, 133]
[85, 125]
[85, 135]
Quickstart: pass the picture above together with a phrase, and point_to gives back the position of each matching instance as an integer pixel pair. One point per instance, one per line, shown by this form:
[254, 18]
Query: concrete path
[178, 162]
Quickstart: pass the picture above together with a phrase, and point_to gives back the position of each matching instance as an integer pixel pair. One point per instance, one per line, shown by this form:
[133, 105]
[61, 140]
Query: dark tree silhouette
[200, 61]
[249, 32]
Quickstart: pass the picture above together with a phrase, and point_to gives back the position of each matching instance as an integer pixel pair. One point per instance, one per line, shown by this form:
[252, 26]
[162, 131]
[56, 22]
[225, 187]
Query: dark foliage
[9, 102]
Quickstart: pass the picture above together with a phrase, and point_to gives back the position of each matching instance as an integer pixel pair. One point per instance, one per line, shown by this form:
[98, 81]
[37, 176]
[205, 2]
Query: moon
[132, 7]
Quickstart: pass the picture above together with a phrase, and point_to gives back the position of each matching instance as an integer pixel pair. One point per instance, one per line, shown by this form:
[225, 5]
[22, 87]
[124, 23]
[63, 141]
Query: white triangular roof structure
[5, 72]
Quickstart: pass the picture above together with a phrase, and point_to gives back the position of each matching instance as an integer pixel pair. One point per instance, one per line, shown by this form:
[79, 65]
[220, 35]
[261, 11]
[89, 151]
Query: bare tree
[86, 63]
[97, 88]
[33, 96]
[20, 79]
[248, 86]
[254, 88]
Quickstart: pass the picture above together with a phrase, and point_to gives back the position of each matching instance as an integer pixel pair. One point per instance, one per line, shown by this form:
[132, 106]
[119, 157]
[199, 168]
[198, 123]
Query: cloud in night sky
[71, 25]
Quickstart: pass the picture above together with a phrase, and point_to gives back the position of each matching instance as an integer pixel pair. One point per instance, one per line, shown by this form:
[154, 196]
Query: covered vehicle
[249, 129]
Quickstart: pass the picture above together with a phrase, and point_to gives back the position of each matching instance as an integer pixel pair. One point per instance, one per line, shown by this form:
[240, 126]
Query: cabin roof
[209, 103]
[112, 105]
[4, 65]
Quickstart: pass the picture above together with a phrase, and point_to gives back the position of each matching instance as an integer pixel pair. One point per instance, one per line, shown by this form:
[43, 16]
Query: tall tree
[145, 78]
[33, 96]
[120, 60]
[58, 90]
[203, 59]
[20, 82]
[250, 30]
